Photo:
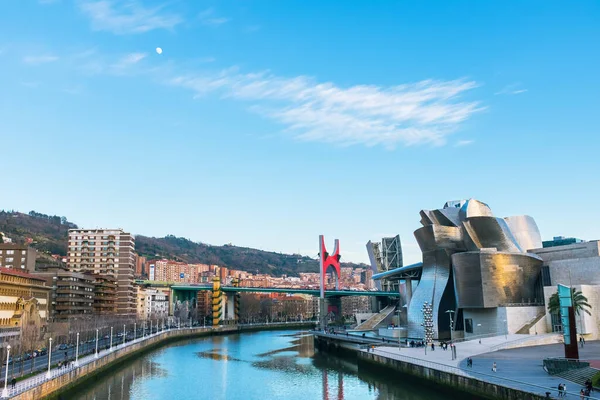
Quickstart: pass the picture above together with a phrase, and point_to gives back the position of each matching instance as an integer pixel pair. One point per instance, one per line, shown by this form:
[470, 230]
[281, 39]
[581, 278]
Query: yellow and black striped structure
[236, 301]
[217, 305]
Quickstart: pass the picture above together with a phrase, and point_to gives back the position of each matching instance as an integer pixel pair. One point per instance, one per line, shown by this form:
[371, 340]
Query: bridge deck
[314, 292]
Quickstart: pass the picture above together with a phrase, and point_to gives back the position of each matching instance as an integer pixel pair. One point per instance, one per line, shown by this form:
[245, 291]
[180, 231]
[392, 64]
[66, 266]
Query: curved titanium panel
[491, 232]
[491, 279]
[432, 237]
[526, 231]
[452, 214]
[474, 208]
[434, 279]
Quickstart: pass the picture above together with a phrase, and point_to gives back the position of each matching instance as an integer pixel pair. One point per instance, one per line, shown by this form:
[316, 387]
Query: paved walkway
[519, 368]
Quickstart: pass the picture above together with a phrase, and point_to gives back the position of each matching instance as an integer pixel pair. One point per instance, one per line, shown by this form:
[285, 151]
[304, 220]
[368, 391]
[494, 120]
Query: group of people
[584, 393]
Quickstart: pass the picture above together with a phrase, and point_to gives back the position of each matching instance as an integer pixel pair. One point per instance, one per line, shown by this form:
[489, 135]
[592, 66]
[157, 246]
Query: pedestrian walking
[581, 341]
[560, 390]
[13, 382]
[564, 389]
[494, 367]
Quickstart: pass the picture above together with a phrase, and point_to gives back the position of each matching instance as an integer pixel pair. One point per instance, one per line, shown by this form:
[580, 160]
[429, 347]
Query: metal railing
[506, 382]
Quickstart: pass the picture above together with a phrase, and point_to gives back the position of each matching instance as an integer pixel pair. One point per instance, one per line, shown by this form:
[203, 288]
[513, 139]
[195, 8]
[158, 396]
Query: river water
[260, 365]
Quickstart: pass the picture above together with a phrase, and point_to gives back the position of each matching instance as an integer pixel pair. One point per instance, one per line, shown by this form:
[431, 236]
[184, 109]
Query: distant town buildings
[17, 256]
[106, 252]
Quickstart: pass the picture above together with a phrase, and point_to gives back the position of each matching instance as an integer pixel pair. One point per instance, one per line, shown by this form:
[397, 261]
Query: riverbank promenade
[518, 361]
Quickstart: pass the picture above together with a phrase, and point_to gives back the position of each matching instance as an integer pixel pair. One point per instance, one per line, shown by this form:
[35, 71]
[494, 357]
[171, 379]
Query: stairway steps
[376, 319]
[578, 376]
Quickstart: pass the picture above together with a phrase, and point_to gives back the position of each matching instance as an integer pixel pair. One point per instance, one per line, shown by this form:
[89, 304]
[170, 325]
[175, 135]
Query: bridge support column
[236, 302]
[217, 300]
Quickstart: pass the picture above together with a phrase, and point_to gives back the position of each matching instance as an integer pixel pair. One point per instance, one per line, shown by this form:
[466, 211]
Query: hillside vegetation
[49, 235]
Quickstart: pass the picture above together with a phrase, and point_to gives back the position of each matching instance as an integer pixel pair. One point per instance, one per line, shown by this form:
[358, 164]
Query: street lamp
[5, 391]
[151, 327]
[479, 326]
[124, 335]
[96, 355]
[49, 358]
[451, 312]
[506, 331]
[111, 332]
[134, 331]
[77, 351]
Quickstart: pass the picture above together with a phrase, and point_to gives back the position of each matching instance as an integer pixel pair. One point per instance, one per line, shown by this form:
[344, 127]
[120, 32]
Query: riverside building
[106, 252]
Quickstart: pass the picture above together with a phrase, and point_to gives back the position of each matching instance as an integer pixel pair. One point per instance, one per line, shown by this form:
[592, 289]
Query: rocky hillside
[49, 235]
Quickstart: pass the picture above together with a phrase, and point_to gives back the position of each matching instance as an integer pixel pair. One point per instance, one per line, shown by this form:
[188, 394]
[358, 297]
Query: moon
[159, 50]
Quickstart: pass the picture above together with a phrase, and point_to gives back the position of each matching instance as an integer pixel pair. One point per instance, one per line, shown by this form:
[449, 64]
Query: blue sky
[267, 123]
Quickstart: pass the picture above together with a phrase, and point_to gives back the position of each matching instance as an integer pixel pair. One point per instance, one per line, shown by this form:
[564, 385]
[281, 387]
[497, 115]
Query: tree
[579, 303]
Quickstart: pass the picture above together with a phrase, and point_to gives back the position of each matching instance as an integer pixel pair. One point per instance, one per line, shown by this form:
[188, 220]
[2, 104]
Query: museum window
[546, 279]
[468, 325]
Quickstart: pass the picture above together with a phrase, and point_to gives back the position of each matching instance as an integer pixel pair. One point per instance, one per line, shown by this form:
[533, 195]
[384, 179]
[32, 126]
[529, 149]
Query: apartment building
[17, 256]
[151, 303]
[72, 293]
[105, 295]
[106, 252]
[174, 271]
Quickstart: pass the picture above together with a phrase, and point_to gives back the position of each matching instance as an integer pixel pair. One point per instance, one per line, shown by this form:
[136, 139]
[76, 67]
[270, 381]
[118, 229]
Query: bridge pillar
[236, 302]
[217, 301]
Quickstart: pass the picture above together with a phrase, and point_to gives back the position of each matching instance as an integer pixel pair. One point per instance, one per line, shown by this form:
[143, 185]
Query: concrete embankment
[448, 380]
[51, 389]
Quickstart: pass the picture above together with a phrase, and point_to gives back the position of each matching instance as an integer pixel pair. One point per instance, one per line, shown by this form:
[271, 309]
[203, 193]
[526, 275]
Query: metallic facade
[472, 259]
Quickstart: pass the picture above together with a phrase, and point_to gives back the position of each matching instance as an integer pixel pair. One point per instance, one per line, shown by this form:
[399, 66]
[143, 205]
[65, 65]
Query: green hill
[49, 235]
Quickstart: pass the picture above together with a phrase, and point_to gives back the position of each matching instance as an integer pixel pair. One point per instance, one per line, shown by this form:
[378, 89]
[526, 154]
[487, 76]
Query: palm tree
[579, 303]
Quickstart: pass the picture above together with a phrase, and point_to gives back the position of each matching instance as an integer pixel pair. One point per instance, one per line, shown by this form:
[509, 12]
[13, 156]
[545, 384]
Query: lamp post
[77, 351]
[134, 331]
[479, 326]
[96, 355]
[150, 327]
[111, 332]
[124, 335]
[506, 331]
[49, 358]
[451, 312]
[5, 391]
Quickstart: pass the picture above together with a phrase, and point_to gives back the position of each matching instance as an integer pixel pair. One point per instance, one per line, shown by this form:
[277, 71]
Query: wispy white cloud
[422, 112]
[126, 16]
[513, 88]
[127, 61]
[462, 143]
[40, 59]
[208, 17]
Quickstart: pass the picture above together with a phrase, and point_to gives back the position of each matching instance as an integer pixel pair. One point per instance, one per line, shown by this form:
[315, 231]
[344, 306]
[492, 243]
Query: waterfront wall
[52, 388]
[446, 380]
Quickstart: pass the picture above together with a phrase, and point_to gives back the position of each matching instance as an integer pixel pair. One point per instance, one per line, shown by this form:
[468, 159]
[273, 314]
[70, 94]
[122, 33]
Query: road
[20, 368]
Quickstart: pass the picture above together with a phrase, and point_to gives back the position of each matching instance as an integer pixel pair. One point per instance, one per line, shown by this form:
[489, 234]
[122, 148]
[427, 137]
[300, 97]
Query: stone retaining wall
[447, 380]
